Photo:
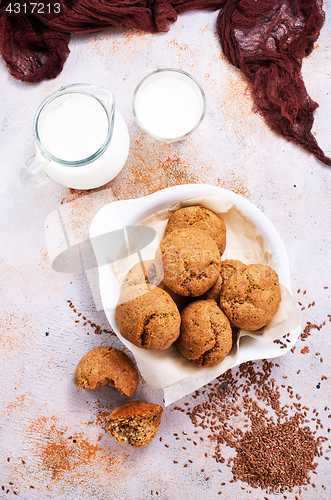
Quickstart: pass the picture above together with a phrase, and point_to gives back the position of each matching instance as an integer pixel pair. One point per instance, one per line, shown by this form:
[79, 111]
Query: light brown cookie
[206, 335]
[148, 318]
[135, 422]
[190, 260]
[214, 291]
[145, 272]
[199, 218]
[250, 294]
[107, 366]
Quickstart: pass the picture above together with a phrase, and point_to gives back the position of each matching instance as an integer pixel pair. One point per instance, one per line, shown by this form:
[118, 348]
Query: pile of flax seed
[274, 447]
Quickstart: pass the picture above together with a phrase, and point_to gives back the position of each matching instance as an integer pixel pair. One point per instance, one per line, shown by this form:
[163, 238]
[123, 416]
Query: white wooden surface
[52, 439]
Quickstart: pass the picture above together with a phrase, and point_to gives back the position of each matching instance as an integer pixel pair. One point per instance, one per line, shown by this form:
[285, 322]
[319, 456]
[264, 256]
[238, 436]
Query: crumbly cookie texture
[135, 422]
[107, 366]
[190, 261]
[199, 218]
[206, 335]
[214, 291]
[145, 272]
[148, 317]
[250, 294]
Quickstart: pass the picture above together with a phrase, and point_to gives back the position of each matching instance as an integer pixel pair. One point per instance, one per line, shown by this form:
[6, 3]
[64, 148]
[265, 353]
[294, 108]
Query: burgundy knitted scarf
[266, 39]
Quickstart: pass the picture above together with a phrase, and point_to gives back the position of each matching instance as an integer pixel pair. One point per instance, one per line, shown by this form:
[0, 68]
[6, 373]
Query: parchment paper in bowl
[168, 369]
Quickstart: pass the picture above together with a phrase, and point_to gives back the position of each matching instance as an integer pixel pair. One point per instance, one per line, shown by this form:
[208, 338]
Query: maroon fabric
[32, 51]
[266, 39]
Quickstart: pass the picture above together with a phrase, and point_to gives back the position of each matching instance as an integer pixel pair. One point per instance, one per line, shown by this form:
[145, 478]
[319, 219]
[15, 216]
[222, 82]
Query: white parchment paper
[168, 369]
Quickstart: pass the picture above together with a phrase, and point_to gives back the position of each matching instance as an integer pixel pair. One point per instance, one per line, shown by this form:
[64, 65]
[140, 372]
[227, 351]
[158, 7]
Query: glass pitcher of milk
[81, 140]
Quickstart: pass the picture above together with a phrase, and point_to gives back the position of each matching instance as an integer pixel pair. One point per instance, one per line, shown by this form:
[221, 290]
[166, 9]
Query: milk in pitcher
[82, 141]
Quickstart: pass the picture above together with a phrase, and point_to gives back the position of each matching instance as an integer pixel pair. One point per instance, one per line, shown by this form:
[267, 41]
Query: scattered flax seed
[98, 329]
[264, 456]
[277, 451]
[305, 350]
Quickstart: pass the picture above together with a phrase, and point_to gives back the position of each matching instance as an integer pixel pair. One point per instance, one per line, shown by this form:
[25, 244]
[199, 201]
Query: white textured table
[53, 443]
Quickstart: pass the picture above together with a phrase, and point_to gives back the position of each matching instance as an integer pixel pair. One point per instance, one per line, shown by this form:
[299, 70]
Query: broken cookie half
[135, 422]
[106, 365]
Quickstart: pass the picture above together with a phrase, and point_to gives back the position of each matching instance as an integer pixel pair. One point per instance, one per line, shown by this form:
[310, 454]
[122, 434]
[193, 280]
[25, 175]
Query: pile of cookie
[188, 297]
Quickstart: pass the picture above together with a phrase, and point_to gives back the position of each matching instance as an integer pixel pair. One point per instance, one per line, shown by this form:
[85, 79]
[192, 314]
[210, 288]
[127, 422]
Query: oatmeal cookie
[190, 261]
[214, 291]
[107, 366]
[145, 272]
[147, 317]
[199, 218]
[250, 294]
[205, 334]
[135, 422]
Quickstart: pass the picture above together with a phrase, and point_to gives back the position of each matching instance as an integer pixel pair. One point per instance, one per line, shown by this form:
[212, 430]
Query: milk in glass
[169, 104]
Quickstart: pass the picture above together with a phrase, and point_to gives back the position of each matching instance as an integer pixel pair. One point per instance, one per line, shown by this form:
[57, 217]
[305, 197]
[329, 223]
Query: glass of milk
[81, 140]
[169, 104]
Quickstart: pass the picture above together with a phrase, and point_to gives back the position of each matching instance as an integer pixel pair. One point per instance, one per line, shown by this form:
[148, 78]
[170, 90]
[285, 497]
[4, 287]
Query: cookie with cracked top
[205, 334]
[190, 261]
[147, 317]
[250, 294]
[145, 272]
[199, 217]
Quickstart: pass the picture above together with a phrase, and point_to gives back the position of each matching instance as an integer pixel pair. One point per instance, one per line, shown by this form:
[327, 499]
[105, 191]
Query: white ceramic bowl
[120, 214]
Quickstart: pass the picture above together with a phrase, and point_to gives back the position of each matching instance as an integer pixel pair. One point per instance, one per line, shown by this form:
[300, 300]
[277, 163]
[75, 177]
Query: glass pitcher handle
[106, 97]
[32, 174]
